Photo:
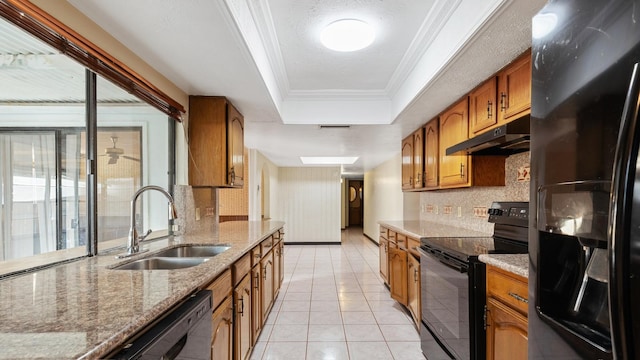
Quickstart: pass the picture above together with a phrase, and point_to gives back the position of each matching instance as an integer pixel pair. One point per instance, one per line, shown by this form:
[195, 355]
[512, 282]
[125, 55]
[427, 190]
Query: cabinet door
[506, 332]
[207, 141]
[418, 159]
[266, 265]
[221, 345]
[242, 320]
[384, 259]
[431, 154]
[256, 303]
[482, 108]
[515, 89]
[454, 124]
[398, 275]
[277, 268]
[413, 288]
[407, 163]
[235, 160]
[281, 272]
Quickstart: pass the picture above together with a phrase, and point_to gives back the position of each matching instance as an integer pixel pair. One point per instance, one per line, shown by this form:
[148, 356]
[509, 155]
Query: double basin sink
[175, 258]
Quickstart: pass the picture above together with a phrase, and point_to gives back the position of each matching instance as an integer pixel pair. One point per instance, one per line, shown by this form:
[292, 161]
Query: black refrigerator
[584, 240]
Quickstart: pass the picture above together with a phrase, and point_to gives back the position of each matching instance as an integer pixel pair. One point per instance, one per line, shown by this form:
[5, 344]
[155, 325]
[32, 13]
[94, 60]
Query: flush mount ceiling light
[328, 160]
[347, 35]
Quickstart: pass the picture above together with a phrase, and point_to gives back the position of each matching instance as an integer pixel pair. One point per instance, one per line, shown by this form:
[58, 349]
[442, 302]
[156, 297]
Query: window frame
[96, 61]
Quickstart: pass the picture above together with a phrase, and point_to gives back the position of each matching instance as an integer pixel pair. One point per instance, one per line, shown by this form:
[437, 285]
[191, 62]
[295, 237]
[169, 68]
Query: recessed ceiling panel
[311, 66]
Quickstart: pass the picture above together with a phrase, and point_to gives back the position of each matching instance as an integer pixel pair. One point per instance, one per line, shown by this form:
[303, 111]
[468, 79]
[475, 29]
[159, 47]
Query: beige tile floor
[333, 306]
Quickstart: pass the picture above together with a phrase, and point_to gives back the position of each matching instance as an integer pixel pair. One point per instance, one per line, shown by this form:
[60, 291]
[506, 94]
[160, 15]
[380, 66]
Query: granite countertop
[426, 229]
[84, 309]
[513, 263]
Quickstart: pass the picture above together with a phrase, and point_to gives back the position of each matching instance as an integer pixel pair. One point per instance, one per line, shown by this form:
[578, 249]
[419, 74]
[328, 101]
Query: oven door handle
[446, 260]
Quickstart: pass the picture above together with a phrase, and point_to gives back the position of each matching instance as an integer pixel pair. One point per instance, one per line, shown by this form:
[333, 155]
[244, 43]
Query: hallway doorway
[356, 207]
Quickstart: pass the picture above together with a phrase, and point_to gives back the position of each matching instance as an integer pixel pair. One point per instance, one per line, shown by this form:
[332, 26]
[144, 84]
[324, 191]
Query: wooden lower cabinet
[221, 339]
[506, 332]
[243, 298]
[506, 315]
[398, 275]
[384, 259]
[256, 303]
[266, 265]
[278, 268]
[242, 320]
[413, 288]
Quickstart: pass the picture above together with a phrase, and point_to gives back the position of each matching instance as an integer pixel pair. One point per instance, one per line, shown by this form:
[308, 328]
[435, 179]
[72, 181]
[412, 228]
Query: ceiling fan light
[347, 35]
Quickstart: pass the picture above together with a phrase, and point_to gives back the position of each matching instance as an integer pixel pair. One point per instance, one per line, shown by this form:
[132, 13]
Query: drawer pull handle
[519, 298]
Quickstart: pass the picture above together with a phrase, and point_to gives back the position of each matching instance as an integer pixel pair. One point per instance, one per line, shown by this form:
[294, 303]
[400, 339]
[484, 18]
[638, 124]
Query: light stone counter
[426, 229]
[84, 309]
[513, 263]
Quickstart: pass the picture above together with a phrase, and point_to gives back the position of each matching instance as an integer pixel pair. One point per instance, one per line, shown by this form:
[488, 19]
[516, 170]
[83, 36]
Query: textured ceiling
[264, 55]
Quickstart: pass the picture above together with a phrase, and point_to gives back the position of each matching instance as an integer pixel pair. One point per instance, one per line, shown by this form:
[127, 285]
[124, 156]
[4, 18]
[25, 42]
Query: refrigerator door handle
[620, 207]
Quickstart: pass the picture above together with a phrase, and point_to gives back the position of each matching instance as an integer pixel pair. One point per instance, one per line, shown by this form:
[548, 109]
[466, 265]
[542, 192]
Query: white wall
[257, 164]
[308, 201]
[383, 198]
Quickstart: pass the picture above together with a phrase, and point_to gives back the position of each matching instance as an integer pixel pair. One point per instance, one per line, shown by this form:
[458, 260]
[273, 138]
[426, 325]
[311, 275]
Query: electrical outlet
[459, 211]
[197, 214]
[435, 209]
[480, 211]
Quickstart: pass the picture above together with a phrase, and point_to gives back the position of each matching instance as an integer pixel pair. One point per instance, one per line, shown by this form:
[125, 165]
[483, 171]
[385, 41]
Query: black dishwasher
[183, 333]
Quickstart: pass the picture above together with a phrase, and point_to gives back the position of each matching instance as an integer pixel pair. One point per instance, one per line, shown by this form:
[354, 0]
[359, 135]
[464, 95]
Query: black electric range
[453, 283]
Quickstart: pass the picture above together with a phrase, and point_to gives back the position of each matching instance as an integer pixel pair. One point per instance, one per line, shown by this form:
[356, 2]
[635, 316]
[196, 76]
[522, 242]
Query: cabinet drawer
[509, 288]
[392, 236]
[401, 239]
[384, 232]
[221, 288]
[266, 245]
[240, 268]
[412, 244]
[256, 255]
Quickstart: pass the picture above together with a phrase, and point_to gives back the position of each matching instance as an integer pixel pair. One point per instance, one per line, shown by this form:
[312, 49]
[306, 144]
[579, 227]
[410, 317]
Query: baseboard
[373, 241]
[313, 243]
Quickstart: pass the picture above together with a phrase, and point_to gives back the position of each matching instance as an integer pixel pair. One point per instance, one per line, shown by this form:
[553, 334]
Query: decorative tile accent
[524, 173]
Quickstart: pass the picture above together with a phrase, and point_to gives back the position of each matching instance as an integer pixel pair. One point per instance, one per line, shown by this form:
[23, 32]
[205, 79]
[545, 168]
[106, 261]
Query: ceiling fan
[114, 153]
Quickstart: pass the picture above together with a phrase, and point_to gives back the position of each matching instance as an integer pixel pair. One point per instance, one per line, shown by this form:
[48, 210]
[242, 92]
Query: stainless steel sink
[194, 251]
[162, 263]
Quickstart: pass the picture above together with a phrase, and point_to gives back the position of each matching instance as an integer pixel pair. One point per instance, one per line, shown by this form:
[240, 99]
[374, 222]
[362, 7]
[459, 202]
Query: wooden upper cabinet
[418, 159]
[514, 89]
[431, 154]
[482, 107]
[216, 143]
[235, 136]
[407, 163]
[454, 125]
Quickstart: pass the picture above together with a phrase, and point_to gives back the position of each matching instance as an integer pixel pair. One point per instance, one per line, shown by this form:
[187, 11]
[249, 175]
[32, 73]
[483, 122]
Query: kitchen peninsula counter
[427, 229]
[84, 309]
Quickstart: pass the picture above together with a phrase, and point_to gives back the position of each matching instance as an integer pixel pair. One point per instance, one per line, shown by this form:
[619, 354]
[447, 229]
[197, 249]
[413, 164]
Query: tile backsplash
[466, 208]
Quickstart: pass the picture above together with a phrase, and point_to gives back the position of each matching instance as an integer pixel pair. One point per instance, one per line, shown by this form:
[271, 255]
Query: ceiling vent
[335, 126]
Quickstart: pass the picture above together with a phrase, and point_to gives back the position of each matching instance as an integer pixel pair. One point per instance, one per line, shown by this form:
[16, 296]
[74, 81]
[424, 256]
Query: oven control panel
[502, 212]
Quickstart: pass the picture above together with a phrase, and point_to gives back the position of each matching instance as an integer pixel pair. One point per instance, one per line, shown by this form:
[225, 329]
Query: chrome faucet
[134, 239]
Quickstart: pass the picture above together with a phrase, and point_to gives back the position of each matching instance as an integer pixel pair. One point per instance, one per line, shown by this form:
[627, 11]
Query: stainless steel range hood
[511, 138]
